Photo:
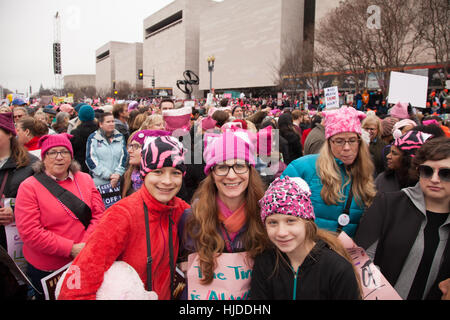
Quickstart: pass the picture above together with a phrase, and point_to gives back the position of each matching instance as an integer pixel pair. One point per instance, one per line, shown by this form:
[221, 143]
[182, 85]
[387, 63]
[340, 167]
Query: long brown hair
[360, 172]
[202, 226]
[18, 152]
[129, 171]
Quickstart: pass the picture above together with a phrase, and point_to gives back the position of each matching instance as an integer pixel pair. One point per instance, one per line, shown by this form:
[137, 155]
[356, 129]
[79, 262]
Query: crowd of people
[247, 181]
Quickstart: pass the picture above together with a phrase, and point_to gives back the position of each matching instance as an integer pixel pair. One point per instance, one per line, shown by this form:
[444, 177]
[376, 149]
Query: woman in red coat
[121, 234]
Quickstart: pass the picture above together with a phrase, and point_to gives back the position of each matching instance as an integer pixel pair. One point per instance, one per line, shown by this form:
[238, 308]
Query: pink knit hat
[400, 111]
[290, 196]
[55, 140]
[229, 145]
[345, 119]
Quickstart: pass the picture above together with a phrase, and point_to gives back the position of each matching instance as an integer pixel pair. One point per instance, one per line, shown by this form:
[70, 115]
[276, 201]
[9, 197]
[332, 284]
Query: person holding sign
[303, 262]
[406, 232]
[341, 175]
[223, 232]
[141, 229]
[56, 209]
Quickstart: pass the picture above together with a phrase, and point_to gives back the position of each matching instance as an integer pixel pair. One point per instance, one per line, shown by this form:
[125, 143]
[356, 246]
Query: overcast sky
[26, 34]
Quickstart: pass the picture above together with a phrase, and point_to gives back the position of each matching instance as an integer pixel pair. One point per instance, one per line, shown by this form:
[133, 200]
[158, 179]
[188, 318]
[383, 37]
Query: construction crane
[57, 53]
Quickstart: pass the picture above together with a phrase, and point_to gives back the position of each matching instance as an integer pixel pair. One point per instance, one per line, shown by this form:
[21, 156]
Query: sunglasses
[427, 172]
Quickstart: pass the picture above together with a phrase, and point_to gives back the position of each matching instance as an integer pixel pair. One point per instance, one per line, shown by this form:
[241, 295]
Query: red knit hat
[55, 140]
[7, 122]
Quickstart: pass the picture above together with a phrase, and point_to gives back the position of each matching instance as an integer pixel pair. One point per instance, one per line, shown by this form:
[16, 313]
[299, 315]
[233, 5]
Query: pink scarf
[233, 221]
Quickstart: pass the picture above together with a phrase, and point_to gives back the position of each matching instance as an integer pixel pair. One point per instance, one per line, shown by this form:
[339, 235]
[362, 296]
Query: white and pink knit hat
[345, 119]
[290, 196]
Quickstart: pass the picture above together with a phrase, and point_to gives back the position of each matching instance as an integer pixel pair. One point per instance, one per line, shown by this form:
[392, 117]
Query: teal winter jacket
[326, 215]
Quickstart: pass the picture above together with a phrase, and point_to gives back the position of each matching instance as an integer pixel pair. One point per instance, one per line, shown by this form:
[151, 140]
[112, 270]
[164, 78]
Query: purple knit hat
[55, 140]
[7, 122]
[162, 151]
[290, 196]
[229, 145]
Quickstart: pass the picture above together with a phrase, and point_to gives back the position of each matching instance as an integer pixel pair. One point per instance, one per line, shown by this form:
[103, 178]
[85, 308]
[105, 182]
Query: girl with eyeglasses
[341, 175]
[223, 228]
[406, 233]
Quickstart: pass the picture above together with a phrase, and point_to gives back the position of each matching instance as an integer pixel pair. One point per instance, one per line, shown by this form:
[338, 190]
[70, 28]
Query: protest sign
[109, 194]
[14, 268]
[49, 282]
[331, 98]
[13, 241]
[231, 278]
[408, 88]
[374, 284]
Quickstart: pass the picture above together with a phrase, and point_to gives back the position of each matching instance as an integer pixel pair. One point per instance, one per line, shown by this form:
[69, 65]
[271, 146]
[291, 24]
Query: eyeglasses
[341, 142]
[133, 147]
[223, 169]
[54, 154]
[427, 172]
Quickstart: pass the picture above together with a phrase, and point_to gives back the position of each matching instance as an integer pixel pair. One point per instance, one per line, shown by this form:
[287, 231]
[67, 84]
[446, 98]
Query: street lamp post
[210, 60]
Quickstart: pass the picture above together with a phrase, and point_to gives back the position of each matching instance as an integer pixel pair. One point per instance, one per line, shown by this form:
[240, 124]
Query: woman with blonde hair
[372, 124]
[224, 223]
[341, 175]
[153, 122]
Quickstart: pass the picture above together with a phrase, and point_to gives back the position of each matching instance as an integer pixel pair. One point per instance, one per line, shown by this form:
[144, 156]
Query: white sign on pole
[408, 88]
[331, 98]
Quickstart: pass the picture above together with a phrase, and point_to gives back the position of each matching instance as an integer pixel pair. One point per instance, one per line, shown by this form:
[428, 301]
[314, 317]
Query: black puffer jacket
[323, 275]
[15, 178]
[79, 140]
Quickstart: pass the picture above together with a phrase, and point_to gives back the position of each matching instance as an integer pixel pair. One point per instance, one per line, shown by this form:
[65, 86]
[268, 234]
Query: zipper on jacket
[294, 294]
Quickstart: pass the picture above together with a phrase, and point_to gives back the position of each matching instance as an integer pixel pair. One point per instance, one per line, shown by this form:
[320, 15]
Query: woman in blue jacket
[343, 164]
[106, 152]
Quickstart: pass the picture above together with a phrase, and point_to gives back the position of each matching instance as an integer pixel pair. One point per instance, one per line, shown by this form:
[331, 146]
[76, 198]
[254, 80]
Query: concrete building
[171, 43]
[118, 62]
[248, 40]
[79, 80]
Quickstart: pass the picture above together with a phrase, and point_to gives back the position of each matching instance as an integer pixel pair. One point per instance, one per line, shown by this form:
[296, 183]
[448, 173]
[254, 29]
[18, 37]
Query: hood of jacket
[417, 198]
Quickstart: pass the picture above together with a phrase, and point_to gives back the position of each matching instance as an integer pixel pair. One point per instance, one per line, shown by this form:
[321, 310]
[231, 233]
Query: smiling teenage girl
[122, 234]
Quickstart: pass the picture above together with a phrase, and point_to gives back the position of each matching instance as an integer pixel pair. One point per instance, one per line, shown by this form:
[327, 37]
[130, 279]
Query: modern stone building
[79, 80]
[118, 62]
[171, 43]
[248, 38]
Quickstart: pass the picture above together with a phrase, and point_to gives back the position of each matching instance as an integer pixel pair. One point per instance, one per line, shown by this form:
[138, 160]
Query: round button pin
[344, 219]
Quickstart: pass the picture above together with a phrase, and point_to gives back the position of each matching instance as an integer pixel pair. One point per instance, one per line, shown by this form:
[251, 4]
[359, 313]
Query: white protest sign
[331, 98]
[231, 278]
[408, 88]
[13, 241]
[373, 284]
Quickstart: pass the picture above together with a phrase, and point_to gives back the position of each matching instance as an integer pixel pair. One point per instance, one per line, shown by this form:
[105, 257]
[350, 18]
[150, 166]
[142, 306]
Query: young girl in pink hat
[303, 262]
